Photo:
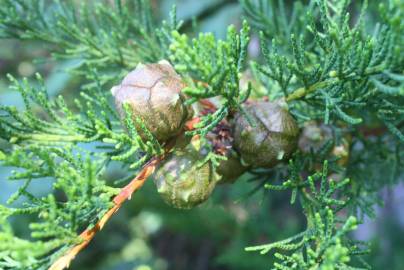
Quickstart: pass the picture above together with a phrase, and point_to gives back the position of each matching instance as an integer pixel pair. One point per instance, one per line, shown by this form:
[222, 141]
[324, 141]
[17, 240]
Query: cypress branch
[318, 60]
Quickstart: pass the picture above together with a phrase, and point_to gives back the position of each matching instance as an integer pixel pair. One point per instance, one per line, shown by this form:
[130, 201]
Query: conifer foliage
[320, 60]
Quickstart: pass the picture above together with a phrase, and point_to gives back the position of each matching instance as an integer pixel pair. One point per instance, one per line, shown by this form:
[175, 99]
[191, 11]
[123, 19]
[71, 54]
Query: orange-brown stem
[125, 194]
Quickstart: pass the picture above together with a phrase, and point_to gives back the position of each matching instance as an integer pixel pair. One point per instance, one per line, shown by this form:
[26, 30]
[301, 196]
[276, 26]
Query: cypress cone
[182, 181]
[273, 137]
[153, 92]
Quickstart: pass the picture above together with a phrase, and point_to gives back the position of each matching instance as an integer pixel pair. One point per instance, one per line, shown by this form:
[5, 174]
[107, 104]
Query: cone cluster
[261, 136]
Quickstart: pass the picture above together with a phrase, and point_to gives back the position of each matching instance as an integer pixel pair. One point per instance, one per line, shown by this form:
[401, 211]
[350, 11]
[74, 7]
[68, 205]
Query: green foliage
[316, 56]
[374, 163]
[109, 39]
[97, 122]
[213, 68]
[85, 199]
[335, 71]
[275, 21]
[325, 243]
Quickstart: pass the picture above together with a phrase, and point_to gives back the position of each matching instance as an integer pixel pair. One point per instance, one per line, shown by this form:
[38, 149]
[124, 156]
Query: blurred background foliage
[147, 234]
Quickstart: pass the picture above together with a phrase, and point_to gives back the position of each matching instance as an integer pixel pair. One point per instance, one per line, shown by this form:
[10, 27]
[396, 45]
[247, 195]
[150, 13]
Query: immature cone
[272, 139]
[153, 92]
[182, 181]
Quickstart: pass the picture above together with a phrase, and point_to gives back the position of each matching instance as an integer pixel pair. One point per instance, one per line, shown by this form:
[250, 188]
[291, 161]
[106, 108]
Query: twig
[125, 194]
[302, 91]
